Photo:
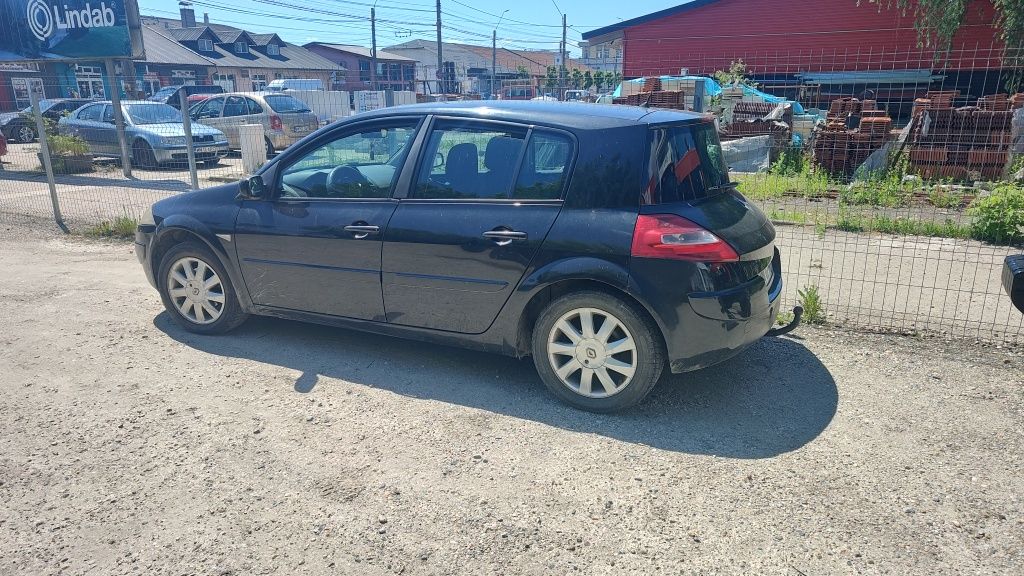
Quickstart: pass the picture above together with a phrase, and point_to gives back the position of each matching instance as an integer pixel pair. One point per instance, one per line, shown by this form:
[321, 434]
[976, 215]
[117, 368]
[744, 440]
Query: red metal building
[787, 38]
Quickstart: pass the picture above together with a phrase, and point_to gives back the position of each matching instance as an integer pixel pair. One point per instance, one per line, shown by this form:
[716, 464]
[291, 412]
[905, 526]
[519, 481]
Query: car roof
[578, 115]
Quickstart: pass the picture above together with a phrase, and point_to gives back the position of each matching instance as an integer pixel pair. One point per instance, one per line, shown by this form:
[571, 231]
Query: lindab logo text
[45, 20]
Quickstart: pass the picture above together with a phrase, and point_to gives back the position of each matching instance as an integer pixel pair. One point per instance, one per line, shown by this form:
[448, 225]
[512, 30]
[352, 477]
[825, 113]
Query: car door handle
[504, 236]
[360, 231]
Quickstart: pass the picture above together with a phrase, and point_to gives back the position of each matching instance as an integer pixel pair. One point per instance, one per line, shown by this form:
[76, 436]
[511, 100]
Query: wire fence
[891, 178]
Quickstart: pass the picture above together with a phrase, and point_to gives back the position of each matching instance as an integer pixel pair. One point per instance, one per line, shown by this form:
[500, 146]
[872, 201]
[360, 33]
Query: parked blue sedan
[154, 131]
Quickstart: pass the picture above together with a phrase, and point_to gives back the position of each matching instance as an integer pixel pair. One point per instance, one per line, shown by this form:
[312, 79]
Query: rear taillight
[675, 238]
[275, 122]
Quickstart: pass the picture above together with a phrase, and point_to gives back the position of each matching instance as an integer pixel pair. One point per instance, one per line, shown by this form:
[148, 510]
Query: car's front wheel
[197, 292]
[142, 154]
[23, 134]
[597, 352]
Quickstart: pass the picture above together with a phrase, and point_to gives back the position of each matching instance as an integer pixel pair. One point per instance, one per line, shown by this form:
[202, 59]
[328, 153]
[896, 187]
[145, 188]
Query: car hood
[178, 129]
[8, 116]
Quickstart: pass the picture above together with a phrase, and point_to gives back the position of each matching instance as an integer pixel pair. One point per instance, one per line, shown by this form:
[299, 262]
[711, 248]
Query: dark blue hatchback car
[605, 241]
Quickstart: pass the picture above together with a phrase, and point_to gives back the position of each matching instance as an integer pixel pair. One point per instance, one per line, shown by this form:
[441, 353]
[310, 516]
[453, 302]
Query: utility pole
[494, 58]
[373, 48]
[565, 64]
[440, 59]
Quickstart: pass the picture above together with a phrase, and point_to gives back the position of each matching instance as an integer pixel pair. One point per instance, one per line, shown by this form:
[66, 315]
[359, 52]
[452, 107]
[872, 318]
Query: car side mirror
[252, 188]
[438, 160]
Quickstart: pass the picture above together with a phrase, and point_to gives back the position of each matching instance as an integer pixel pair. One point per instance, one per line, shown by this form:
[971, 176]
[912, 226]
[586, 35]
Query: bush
[67, 146]
[999, 216]
[810, 301]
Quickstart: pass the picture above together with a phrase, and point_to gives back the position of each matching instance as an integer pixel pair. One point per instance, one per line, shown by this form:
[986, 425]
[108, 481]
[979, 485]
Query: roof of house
[360, 51]
[535, 61]
[165, 31]
[163, 48]
[692, 4]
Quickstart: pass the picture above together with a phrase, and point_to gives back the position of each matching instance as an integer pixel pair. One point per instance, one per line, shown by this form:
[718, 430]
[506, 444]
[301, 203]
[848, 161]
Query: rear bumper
[144, 251]
[704, 328]
[1013, 280]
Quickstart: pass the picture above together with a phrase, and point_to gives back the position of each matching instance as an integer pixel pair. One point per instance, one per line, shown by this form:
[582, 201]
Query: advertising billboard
[69, 30]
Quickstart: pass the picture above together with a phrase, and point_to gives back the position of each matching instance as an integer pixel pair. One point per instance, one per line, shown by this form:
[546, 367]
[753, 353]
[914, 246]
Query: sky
[527, 24]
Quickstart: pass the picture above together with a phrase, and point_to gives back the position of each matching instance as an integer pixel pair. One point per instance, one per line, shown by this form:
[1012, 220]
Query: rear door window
[685, 164]
[254, 107]
[470, 160]
[92, 113]
[545, 167]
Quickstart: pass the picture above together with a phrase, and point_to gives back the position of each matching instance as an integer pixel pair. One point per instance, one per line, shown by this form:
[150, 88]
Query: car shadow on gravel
[773, 398]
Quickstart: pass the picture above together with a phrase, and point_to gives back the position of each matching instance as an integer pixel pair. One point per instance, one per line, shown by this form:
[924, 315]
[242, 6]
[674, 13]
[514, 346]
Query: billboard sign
[68, 30]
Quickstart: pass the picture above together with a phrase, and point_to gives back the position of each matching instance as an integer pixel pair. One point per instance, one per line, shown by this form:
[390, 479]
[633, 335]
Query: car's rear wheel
[23, 134]
[197, 292]
[142, 154]
[597, 352]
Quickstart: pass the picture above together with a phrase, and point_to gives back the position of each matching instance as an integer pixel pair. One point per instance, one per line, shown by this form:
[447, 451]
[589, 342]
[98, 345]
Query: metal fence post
[115, 101]
[44, 152]
[186, 122]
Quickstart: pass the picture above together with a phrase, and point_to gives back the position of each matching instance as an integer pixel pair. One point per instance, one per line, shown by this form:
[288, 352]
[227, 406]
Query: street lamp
[494, 51]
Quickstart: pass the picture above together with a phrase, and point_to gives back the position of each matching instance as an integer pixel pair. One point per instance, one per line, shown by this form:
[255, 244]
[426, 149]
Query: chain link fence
[893, 188]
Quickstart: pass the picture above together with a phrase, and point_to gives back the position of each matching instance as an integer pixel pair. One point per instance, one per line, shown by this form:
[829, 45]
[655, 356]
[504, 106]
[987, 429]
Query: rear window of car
[685, 164]
[283, 104]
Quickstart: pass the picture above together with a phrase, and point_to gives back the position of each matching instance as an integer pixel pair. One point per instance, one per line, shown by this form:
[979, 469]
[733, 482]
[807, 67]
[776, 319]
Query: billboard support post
[44, 153]
[115, 101]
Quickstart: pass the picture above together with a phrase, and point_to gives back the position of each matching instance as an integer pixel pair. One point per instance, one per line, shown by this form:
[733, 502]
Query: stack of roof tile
[839, 149]
[969, 142]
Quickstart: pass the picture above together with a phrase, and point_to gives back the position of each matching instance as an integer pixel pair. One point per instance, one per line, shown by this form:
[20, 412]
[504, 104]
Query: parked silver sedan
[285, 119]
[154, 131]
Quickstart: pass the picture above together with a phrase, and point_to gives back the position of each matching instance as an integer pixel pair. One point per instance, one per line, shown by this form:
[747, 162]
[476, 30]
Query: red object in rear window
[672, 237]
[275, 122]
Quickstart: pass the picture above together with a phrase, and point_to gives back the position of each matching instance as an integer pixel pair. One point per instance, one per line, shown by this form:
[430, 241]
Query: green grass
[814, 308]
[941, 197]
[763, 186]
[121, 228]
[901, 226]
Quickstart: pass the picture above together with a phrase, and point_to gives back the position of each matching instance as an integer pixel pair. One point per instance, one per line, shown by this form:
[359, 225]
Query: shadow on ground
[773, 398]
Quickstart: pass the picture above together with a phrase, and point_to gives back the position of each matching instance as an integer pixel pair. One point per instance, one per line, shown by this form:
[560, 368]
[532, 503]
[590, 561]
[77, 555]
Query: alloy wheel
[25, 135]
[196, 290]
[592, 352]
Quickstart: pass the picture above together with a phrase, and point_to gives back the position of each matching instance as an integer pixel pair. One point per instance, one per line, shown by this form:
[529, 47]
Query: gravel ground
[131, 447]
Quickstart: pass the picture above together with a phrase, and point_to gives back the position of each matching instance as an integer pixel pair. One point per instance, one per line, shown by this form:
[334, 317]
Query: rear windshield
[283, 104]
[685, 164]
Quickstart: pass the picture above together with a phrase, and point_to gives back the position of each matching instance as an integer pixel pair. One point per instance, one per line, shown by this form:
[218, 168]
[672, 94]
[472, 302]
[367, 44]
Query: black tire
[231, 313]
[22, 134]
[142, 154]
[271, 152]
[649, 359]
[211, 163]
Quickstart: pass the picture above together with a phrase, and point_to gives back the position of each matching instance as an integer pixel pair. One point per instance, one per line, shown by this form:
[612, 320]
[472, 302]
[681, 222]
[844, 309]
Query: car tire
[605, 369]
[23, 134]
[142, 154]
[211, 163]
[271, 152]
[196, 290]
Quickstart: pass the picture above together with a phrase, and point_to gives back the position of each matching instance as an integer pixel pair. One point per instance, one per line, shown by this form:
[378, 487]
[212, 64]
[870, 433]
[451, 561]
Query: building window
[364, 70]
[241, 47]
[205, 45]
[408, 73]
[259, 82]
[586, 51]
[603, 51]
[273, 50]
[394, 72]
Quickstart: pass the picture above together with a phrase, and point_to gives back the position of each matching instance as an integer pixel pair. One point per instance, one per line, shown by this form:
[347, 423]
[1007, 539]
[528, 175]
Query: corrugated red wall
[786, 37]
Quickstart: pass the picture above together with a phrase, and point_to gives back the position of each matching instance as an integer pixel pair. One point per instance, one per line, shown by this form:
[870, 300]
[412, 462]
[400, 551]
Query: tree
[615, 79]
[522, 72]
[551, 79]
[599, 80]
[737, 74]
[937, 21]
[576, 79]
[588, 80]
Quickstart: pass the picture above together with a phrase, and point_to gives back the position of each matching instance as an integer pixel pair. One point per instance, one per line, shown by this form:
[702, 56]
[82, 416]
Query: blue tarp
[712, 88]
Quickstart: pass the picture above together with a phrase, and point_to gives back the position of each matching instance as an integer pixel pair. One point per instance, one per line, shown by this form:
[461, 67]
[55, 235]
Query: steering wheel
[345, 180]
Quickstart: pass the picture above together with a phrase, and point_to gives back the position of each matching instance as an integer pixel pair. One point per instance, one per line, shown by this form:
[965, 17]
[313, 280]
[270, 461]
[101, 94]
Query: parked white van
[282, 84]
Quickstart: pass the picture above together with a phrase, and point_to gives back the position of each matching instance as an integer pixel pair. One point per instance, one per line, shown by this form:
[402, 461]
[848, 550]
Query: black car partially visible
[1013, 279]
[20, 127]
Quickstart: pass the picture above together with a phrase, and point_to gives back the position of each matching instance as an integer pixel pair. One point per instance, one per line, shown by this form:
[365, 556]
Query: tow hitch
[798, 311]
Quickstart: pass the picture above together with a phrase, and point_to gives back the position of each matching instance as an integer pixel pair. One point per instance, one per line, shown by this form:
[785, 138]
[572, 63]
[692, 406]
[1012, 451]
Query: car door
[86, 124]
[106, 133]
[474, 217]
[208, 112]
[315, 245]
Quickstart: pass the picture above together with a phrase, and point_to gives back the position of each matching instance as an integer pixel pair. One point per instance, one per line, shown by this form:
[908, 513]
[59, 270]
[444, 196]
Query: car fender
[221, 248]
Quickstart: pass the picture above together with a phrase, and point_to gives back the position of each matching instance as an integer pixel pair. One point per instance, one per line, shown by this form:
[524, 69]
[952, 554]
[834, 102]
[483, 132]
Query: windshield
[283, 104]
[686, 163]
[152, 113]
